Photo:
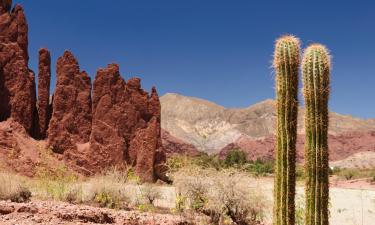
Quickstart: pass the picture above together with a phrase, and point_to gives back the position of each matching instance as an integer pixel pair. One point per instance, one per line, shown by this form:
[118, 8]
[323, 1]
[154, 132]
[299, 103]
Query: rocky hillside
[213, 128]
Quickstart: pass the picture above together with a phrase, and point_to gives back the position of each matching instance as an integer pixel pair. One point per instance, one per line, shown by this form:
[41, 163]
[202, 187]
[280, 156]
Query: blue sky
[217, 50]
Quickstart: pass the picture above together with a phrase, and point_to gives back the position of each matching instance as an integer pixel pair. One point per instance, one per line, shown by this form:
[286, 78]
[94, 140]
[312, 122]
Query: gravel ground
[54, 213]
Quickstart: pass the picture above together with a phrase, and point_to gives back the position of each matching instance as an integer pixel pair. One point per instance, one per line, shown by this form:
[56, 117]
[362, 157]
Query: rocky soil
[53, 213]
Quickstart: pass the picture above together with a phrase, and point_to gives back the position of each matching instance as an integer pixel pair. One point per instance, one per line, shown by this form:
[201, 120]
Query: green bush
[235, 158]
[106, 199]
[260, 167]
[208, 161]
[146, 208]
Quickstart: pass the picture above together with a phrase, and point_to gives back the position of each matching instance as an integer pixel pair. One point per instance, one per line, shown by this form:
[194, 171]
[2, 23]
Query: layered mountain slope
[212, 128]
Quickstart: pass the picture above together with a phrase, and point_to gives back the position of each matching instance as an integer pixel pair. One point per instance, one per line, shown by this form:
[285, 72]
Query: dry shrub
[221, 195]
[12, 187]
[54, 184]
[150, 193]
[107, 190]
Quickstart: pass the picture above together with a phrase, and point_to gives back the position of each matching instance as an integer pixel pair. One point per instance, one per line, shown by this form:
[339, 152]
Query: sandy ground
[351, 202]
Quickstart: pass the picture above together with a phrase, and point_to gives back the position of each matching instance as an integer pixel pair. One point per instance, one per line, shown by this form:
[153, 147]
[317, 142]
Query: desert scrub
[109, 190]
[353, 173]
[53, 184]
[150, 193]
[260, 168]
[235, 159]
[13, 187]
[221, 195]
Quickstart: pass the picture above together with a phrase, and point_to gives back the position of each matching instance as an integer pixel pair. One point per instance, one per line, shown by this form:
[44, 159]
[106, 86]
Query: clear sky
[216, 50]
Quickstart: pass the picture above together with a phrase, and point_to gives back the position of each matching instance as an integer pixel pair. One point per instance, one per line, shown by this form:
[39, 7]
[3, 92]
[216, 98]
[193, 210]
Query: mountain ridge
[211, 128]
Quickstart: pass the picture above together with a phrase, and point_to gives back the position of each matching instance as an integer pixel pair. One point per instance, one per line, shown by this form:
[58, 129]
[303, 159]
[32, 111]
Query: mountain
[214, 129]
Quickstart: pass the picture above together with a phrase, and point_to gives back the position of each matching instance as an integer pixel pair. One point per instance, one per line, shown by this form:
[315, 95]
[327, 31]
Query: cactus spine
[286, 64]
[316, 72]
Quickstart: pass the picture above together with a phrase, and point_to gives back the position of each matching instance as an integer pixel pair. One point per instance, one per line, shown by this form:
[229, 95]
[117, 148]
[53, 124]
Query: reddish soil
[48, 212]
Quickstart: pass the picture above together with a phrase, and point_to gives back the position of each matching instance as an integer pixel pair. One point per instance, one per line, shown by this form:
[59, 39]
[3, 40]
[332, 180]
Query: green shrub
[208, 161]
[235, 158]
[260, 167]
[146, 208]
[107, 199]
[179, 204]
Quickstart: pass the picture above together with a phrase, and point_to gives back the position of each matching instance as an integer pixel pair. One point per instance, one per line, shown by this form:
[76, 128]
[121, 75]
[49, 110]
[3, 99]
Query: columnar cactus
[316, 72]
[286, 64]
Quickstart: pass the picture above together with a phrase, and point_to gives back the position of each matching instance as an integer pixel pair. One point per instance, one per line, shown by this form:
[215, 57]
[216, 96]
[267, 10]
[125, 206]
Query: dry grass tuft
[221, 195]
[12, 187]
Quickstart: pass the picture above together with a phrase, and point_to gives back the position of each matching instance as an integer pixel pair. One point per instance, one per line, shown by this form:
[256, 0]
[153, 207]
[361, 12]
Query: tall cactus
[286, 64]
[316, 72]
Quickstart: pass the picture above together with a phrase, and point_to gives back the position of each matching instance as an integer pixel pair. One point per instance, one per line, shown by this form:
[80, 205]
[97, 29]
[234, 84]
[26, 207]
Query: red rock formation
[44, 79]
[70, 123]
[17, 82]
[124, 117]
[154, 108]
[113, 117]
[124, 127]
[143, 148]
[5, 5]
